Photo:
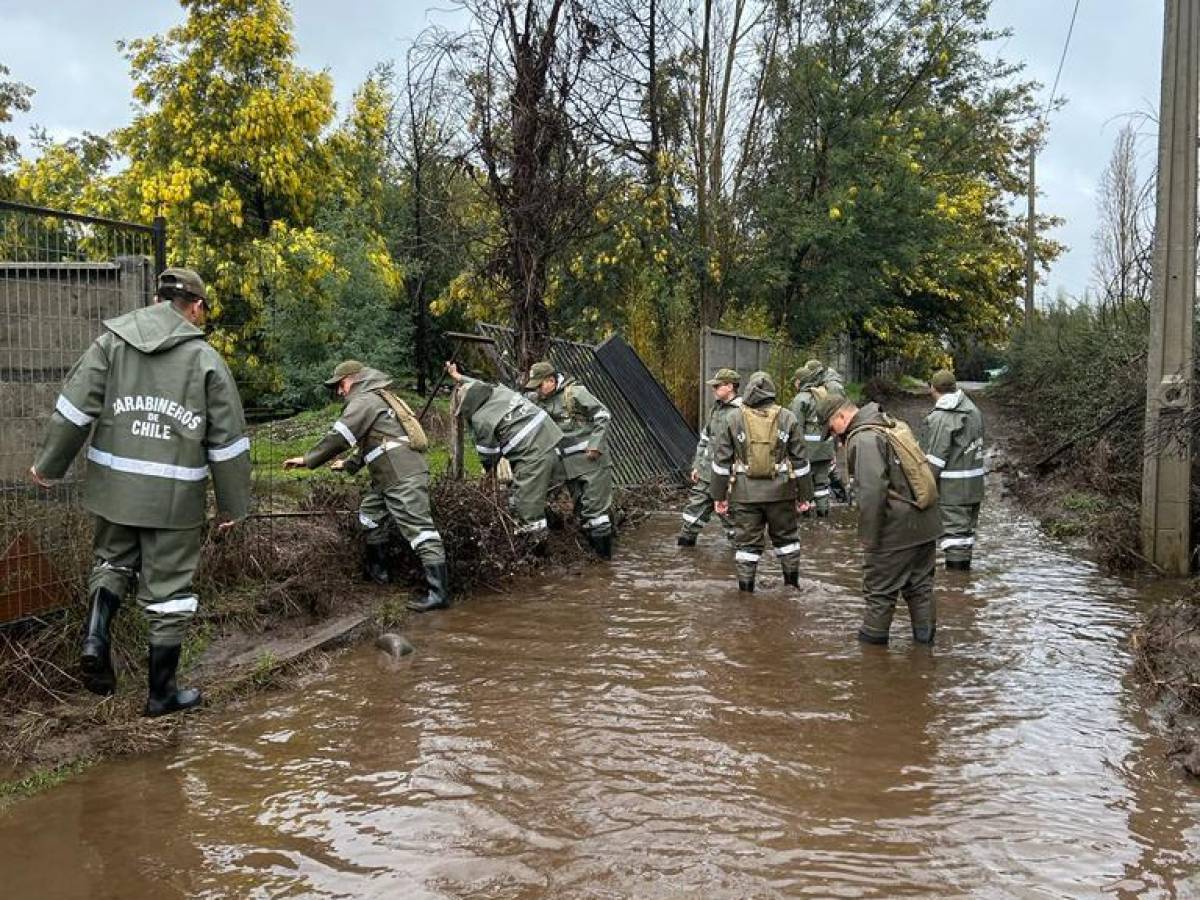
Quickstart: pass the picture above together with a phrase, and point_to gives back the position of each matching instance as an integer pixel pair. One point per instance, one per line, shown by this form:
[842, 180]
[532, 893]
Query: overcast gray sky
[65, 49]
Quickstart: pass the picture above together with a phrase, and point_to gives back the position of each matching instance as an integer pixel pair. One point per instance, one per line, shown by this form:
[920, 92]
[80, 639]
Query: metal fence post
[160, 245]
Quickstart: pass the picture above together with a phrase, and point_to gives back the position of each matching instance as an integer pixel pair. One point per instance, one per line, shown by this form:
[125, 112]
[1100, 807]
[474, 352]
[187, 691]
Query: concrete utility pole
[1166, 473]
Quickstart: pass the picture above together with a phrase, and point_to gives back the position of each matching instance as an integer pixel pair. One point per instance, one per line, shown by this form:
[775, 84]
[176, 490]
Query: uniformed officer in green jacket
[699, 506]
[399, 477]
[821, 453]
[506, 424]
[899, 541]
[164, 415]
[954, 449]
[585, 464]
[760, 463]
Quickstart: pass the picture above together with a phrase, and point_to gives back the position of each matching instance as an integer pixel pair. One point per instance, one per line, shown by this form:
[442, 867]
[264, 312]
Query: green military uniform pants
[406, 503]
[592, 494]
[699, 509]
[532, 477]
[890, 574]
[820, 477]
[779, 520]
[161, 563]
[958, 531]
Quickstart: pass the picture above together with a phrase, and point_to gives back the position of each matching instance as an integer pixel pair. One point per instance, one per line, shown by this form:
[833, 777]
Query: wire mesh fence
[61, 275]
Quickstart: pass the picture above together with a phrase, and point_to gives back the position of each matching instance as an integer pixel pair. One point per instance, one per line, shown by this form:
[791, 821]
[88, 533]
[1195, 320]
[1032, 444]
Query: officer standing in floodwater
[381, 430]
[164, 414]
[821, 454]
[699, 507]
[585, 464]
[760, 463]
[505, 424]
[954, 449]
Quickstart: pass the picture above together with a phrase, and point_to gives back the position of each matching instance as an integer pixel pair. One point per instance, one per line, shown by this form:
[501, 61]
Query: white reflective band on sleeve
[425, 536]
[821, 492]
[965, 473]
[73, 413]
[958, 542]
[486, 451]
[803, 470]
[383, 448]
[787, 549]
[691, 520]
[341, 428]
[720, 470]
[367, 522]
[602, 416]
[599, 520]
[143, 467]
[746, 556]
[539, 525]
[229, 451]
[574, 448]
[525, 432]
[814, 438]
[175, 605]
[936, 460]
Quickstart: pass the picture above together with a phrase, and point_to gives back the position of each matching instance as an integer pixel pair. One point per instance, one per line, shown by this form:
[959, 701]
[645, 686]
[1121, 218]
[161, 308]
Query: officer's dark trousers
[889, 575]
[699, 509]
[779, 520]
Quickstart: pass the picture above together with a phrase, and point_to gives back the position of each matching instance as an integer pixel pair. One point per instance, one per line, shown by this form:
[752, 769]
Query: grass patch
[41, 780]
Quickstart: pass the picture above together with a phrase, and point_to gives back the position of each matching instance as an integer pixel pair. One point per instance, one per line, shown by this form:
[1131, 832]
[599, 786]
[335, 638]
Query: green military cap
[943, 381]
[538, 373]
[806, 371]
[725, 376]
[827, 402]
[183, 280]
[342, 369]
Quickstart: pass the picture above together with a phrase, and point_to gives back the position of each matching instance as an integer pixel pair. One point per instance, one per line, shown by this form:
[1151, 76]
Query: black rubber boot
[865, 638]
[437, 577]
[602, 544]
[746, 584]
[962, 565]
[95, 660]
[686, 540]
[375, 564]
[924, 634]
[164, 696]
[792, 579]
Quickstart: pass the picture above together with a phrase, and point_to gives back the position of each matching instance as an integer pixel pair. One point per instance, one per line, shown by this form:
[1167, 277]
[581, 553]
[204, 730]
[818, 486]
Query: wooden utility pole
[1031, 236]
[1166, 473]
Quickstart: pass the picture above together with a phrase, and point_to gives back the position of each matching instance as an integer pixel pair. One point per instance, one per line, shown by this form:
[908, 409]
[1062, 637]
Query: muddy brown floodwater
[644, 731]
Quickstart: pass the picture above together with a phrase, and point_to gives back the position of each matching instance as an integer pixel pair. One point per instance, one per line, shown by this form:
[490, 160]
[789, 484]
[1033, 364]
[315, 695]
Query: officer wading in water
[584, 461]
[821, 453]
[898, 515]
[954, 449]
[163, 414]
[505, 424]
[760, 463]
[699, 507]
[389, 441]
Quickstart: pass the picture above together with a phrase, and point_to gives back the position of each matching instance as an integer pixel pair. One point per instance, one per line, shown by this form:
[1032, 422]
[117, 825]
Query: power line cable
[1061, 60]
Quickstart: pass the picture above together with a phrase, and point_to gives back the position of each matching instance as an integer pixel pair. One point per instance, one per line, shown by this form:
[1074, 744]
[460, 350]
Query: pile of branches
[1167, 650]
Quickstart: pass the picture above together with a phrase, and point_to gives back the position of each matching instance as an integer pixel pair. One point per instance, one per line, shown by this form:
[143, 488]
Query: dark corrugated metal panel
[639, 455]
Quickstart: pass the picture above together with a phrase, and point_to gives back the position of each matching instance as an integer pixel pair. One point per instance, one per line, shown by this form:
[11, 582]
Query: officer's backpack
[761, 436]
[912, 462]
[408, 420]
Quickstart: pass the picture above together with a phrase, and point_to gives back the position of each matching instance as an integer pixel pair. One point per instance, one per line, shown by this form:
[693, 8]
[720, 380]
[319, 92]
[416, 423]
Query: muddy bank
[278, 594]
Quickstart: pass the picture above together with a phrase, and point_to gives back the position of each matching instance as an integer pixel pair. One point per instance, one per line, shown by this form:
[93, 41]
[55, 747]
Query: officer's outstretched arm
[79, 405]
[226, 443]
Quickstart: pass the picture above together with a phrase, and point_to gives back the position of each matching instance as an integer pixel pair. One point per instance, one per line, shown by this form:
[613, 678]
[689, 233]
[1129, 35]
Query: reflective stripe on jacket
[954, 449]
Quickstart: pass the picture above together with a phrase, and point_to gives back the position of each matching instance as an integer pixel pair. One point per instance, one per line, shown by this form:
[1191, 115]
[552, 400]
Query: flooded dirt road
[644, 731]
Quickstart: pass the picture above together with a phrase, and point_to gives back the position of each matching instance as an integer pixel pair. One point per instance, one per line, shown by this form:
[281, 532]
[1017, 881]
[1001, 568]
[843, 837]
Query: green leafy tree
[14, 97]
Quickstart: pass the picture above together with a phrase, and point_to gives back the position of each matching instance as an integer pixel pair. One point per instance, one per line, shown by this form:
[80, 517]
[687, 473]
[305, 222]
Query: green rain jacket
[163, 413]
[954, 449]
[887, 520]
[368, 425]
[820, 448]
[583, 421]
[702, 461]
[793, 474]
[506, 424]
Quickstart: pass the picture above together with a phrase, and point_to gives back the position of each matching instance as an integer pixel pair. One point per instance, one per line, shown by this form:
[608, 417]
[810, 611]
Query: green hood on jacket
[760, 390]
[371, 380]
[153, 329]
